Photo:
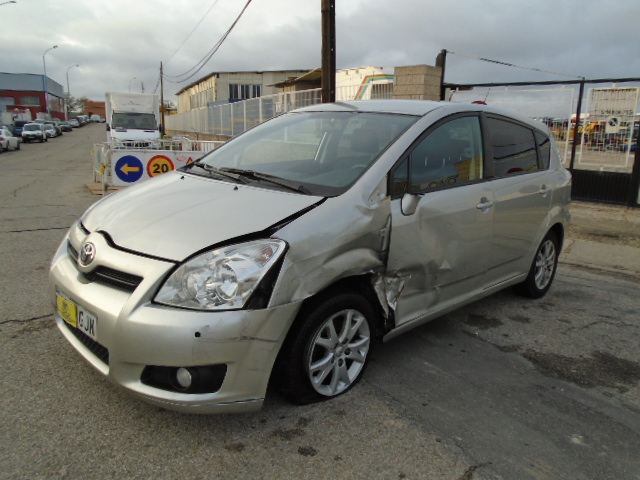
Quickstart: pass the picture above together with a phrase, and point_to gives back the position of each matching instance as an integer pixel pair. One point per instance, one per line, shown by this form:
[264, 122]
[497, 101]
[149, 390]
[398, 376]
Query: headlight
[221, 279]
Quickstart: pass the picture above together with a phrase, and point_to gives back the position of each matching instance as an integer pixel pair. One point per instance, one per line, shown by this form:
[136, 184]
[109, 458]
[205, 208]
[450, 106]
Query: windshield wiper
[268, 178]
[221, 172]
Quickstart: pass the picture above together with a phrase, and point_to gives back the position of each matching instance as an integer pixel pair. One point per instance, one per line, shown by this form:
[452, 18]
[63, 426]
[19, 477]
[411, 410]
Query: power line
[513, 65]
[194, 29]
[198, 66]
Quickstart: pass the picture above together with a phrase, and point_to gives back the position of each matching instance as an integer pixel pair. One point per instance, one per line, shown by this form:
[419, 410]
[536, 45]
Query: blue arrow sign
[129, 169]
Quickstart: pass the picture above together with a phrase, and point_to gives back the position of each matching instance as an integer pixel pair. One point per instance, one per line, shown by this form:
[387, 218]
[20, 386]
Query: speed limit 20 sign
[158, 165]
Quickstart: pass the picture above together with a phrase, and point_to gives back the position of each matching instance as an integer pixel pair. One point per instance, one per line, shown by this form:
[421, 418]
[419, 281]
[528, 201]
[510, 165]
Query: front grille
[115, 278]
[98, 350]
[109, 276]
[73, 253]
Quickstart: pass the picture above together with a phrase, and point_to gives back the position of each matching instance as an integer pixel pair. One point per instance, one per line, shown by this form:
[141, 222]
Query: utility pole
[328, 51]
[441, 61]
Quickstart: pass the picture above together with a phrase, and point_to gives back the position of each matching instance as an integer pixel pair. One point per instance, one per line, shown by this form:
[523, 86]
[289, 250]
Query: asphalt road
[505, 388]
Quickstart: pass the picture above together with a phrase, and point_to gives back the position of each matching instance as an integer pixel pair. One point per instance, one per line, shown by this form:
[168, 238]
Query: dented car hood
[177, 215]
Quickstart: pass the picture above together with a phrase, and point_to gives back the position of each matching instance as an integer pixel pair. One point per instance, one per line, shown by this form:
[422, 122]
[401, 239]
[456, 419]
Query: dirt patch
[287, 433]
[588, 233]
[599, 370]
[482, 322]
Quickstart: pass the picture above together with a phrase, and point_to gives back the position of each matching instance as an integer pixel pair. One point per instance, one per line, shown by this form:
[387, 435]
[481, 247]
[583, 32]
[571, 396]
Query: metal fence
[231, 119]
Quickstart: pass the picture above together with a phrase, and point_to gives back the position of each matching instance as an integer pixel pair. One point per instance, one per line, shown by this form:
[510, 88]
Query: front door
[441, 220]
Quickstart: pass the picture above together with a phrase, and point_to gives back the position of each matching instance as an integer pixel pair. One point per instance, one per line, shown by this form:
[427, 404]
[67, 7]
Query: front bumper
[136, 333]
[32, 137]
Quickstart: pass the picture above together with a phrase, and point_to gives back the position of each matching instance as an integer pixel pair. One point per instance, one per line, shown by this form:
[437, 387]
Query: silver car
[284, 254]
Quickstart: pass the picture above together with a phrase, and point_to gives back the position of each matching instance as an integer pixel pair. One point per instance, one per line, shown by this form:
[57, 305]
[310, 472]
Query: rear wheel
[328, 349]
[543, 269]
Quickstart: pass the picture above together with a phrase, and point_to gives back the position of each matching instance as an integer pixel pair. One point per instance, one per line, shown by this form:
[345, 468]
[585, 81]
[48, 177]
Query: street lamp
[68, 89]
[44, 66]
[130, 83]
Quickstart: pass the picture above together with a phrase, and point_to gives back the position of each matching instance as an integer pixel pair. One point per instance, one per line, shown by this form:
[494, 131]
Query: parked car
[50, 130]
[283, 254]
[11, 140]
[66, 126]
[74, 123]
[56, 125]
[17, 126]
[34, 131]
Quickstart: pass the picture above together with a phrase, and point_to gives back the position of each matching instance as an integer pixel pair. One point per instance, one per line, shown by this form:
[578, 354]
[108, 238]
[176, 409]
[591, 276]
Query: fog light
[201, 379]
[184, 377]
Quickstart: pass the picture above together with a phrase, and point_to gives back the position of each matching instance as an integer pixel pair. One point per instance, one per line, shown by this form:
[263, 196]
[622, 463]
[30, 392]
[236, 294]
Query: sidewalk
[605, 237]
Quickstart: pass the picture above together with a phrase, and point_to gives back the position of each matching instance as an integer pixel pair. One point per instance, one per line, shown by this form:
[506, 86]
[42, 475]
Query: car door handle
[484, 204]
[544, 190]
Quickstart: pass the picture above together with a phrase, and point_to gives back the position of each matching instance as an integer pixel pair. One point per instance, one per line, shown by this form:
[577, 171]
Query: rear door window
[516, 149]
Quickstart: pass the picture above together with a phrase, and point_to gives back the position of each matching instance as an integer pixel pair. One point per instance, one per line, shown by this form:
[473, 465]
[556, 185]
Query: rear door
[522, 186]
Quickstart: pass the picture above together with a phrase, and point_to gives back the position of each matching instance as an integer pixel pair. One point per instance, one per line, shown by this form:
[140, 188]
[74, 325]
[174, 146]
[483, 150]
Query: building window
[244, 92]
[30, 101]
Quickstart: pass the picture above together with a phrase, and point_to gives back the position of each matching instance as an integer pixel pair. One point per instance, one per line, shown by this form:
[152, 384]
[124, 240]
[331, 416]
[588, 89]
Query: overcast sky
[119, 43]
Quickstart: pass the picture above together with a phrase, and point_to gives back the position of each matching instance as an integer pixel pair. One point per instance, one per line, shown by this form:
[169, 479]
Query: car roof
[407, 107]
[418, 108]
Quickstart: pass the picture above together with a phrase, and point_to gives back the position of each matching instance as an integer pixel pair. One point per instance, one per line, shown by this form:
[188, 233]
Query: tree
[75, 105]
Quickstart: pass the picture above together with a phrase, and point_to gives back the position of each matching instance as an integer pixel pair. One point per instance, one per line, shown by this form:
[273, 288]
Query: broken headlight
[221, 279]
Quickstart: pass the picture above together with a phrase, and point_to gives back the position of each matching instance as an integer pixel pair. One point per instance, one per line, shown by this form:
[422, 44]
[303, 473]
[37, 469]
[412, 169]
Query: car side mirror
[409, 204]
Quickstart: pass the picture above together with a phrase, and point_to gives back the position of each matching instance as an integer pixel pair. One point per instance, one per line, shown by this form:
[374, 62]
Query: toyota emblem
[87, 254]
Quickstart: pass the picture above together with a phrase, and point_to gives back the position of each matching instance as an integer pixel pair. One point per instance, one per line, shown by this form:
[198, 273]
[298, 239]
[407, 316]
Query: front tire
[327, 350]
[543, 269]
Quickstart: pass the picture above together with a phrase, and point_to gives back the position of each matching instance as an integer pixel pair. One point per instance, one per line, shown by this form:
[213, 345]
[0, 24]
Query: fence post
[576, 128]
[633, 200]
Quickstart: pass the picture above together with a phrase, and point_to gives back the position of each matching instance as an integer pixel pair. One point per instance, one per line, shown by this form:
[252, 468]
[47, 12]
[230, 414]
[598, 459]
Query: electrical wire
[198, 66]
[513, 65]
[192, 31]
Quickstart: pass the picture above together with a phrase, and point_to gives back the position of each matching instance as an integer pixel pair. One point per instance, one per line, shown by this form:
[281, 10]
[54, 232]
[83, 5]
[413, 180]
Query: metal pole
[162, 100]
[575, 130]
[441, 61]
[633, 200]
[328, 51]
[44, 80]
[68, 92]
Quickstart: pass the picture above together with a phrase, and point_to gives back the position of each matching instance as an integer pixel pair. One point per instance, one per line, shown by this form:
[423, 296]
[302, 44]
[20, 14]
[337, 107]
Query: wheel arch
[358, 284]
[558, 230]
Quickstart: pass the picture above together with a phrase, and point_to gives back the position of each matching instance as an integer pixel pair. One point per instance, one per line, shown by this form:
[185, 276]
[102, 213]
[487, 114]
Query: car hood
[175, 215]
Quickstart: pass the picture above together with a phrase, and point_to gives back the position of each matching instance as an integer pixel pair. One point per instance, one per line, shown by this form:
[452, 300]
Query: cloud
[118, 40]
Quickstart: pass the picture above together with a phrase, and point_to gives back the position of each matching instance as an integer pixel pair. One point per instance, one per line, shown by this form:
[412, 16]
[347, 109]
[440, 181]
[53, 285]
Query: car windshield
[34, 127]
[322, 153]
[145, 121]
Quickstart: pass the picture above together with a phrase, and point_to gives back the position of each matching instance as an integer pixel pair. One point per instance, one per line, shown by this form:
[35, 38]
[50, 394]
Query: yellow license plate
[67, 310]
